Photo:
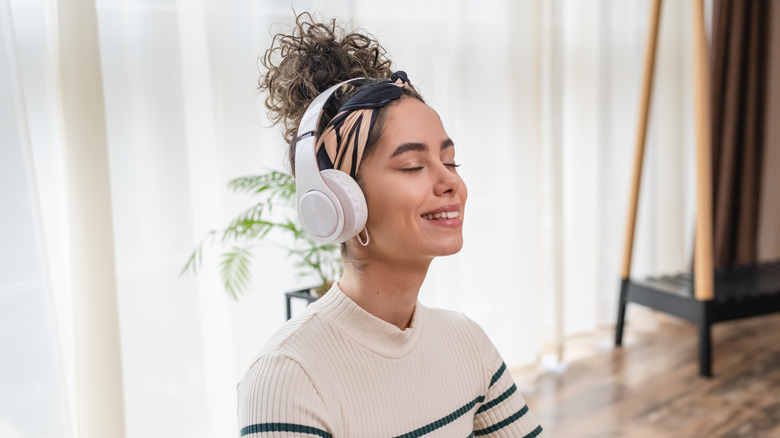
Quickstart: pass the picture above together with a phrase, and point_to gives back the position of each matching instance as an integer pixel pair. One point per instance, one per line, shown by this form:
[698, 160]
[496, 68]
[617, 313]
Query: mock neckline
[372, 333]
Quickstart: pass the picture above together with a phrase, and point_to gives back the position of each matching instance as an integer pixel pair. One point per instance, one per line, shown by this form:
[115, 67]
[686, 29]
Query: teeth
[444, 215]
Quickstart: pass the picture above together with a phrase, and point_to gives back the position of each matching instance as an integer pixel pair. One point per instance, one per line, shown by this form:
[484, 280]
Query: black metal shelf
[741, 291]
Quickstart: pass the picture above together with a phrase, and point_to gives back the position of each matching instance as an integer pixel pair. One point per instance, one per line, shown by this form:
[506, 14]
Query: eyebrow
[420, 147]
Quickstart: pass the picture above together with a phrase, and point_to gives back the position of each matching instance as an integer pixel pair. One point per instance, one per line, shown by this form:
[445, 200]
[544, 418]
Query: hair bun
[313, 57]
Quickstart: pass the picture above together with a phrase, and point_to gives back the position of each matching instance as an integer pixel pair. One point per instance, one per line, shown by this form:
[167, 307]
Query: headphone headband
[331, 205]
[311, 118]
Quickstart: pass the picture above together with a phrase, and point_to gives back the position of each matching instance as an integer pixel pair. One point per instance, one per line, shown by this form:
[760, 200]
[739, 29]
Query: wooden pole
[703, 254]
[641, 133]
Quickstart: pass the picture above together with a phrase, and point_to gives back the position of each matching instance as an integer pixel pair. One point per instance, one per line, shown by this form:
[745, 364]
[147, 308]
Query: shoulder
[278, 386]
[453, 320]
[276, 390]
[284, 351]
[293, 335]
[296, 340]
[457, 324]
[289, 347]
[467, 334]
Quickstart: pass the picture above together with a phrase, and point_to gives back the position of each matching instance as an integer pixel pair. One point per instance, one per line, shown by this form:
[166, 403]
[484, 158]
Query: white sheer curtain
[540, 97]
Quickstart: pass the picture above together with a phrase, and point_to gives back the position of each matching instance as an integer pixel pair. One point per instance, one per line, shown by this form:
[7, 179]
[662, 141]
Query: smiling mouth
[442, 215]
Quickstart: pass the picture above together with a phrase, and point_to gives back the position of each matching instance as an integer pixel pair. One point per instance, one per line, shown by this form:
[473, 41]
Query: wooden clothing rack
[707, 296]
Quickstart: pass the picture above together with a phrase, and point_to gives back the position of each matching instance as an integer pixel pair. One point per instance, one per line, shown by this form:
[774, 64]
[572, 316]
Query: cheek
[385, 208]
[392, 207]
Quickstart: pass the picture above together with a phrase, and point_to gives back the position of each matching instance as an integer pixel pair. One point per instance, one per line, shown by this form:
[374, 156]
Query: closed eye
[411, 169]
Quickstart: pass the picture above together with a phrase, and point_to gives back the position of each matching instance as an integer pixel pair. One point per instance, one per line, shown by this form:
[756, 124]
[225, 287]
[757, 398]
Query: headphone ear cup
[353, 202]
[319, 214]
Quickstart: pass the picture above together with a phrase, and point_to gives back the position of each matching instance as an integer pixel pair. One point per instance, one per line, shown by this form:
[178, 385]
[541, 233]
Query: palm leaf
[234, 269]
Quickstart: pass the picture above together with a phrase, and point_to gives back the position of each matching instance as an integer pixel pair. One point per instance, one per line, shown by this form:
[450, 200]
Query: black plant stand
[740, 292]
[302, 294]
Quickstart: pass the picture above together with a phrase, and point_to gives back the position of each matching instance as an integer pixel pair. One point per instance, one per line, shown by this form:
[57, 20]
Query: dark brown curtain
[739, 83]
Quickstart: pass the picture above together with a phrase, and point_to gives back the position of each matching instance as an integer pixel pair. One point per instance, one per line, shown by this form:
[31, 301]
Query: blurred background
[541, 98]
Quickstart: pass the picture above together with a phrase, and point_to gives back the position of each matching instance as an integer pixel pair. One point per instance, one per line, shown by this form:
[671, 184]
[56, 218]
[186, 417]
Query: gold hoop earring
[368, 239]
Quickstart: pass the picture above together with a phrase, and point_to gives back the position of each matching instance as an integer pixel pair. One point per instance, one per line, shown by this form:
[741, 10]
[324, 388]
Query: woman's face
[415, 196]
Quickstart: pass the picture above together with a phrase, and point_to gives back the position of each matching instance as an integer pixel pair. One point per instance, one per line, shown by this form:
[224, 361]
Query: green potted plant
[274, 209]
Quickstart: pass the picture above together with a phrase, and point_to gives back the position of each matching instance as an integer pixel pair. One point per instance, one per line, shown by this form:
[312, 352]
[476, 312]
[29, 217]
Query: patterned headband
[341, 144]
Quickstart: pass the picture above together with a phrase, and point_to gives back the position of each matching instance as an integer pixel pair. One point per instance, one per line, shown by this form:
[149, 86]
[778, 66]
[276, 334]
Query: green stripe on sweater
[507, 422]
[512, 389]
[283, 427]
[534, 433]
[444, 421]
[497, 375]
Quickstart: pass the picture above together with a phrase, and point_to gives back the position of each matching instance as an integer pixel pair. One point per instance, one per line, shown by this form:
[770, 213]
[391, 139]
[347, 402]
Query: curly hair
[311, 58]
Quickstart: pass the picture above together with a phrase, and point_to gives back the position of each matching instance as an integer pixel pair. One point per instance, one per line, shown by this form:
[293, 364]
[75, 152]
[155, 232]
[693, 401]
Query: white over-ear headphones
[331, 205]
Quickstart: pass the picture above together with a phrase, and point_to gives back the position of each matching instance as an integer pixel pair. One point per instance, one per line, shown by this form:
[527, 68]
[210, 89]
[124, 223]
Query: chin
[451, 248]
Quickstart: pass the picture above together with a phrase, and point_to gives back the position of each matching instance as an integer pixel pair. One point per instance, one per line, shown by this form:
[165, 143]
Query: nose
[447, 181]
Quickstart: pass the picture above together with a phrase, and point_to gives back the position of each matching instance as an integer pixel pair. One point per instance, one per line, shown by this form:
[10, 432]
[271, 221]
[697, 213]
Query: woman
[368, 360]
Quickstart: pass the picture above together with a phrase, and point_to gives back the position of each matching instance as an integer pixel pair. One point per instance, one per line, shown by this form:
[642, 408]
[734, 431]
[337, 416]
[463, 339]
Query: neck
[386, 290]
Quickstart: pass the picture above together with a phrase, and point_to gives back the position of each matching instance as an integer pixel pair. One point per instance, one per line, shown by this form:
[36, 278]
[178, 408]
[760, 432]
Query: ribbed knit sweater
[338, 371]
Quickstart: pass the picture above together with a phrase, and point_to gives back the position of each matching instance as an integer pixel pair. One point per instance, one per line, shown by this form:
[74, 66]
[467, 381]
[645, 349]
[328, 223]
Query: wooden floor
[651, 386]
